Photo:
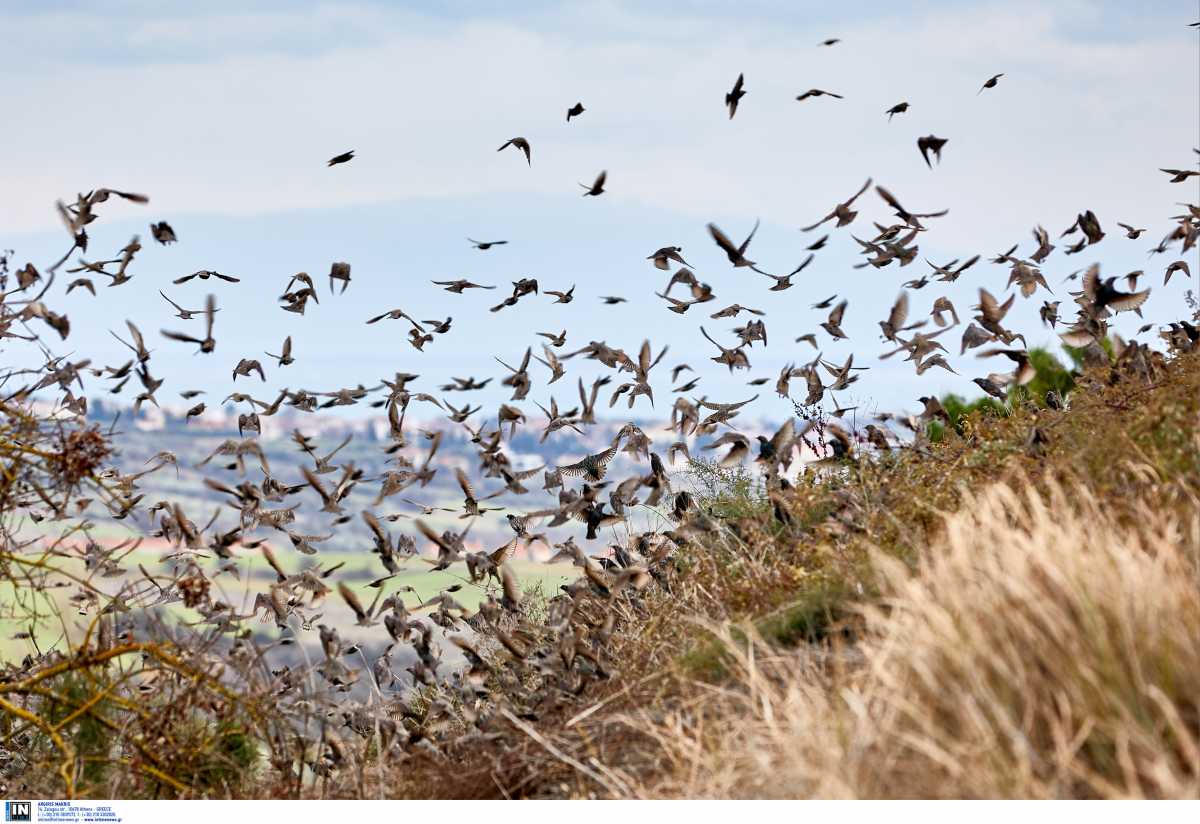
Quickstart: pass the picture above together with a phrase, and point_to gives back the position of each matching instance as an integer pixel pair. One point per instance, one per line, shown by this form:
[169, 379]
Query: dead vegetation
[1043, 648]
[1007, 613]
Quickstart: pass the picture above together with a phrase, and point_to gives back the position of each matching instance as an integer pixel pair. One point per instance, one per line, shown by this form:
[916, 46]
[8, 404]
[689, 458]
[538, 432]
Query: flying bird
[833, 324]
[842, 211]
[345, 157]
[458, 286]
[205, 274]
[340, 270]
[522, 145]
[597, 188]
[734, 96]
[736, 254]
[1180, 175]
[285, 357]
[246, 366]
[931, 143]
[990, 83]
[1177, 266]
[664, 257]
[163, 232]
[1103, 295]
[208, 343]
[180, 312]
[818, 93]
[1024, 372]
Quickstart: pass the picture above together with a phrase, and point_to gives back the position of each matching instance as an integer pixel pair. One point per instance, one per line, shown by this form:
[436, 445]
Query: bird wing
[899, 312]
[865, 186]
[784, 436]
[351, 600]
[723, 241]
[210, 310]
[464, 482]
[1125, 303]
[839, 311]
[1091, 281]
[749, 237]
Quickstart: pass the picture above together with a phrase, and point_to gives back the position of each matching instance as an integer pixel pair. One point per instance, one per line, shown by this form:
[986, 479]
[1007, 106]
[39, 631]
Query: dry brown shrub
[1044, 648]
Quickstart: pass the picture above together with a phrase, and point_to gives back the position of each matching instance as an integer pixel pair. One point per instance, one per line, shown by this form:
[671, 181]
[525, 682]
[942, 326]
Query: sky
[224, 114]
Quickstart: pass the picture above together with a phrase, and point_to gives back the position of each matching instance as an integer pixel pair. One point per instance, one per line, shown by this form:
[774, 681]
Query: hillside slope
[1010, 612]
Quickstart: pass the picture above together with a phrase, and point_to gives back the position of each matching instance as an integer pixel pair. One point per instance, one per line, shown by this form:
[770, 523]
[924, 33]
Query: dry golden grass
[1043, 649]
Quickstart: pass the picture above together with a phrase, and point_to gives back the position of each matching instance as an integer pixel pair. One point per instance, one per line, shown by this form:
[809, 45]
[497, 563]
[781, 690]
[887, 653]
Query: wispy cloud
[226, 119]
[234, 113]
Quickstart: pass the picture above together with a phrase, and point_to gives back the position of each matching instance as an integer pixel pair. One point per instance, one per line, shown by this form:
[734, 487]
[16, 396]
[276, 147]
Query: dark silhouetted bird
[522, 145]
[931, 143]
[597, 187]
[734, 95]
[990, 83]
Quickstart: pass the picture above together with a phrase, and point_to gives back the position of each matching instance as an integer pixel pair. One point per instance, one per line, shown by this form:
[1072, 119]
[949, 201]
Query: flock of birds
[266, 507]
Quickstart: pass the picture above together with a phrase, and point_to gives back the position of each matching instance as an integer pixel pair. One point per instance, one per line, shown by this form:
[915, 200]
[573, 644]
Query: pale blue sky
[225, 117]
